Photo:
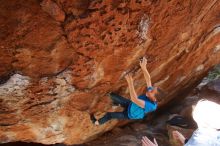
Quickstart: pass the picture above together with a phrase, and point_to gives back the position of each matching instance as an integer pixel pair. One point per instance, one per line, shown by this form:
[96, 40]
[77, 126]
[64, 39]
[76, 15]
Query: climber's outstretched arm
[133, 94]
[147, 77]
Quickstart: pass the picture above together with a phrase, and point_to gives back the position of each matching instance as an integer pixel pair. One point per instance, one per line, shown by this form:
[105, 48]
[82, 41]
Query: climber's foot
[97, 123]
[94, 121]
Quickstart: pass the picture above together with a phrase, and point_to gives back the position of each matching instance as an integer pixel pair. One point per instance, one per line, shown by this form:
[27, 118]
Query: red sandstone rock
[53, 9]
[74, 7]
[53, 75]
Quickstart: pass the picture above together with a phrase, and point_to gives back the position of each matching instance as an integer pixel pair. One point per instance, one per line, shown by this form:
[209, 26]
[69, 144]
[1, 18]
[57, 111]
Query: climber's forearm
[132, 91]
[134, 97]
[147, 77]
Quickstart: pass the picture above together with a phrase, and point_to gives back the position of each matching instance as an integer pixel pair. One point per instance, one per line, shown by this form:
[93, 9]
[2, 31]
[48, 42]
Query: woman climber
[138, 106]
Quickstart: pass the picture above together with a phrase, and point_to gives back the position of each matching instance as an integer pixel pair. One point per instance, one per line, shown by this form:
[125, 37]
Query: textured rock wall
[59, 58]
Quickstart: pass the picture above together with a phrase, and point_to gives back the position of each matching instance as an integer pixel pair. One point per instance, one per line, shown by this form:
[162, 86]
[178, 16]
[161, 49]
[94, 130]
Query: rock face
[59, 59]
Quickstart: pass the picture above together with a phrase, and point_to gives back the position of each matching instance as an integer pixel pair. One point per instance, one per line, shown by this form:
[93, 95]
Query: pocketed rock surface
[60, 58]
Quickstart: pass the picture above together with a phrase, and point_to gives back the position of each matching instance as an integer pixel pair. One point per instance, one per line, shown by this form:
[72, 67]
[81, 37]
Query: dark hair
[160, 94]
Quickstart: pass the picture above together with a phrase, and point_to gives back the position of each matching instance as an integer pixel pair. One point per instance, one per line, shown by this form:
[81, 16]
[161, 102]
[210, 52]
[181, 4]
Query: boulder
[55, 72]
